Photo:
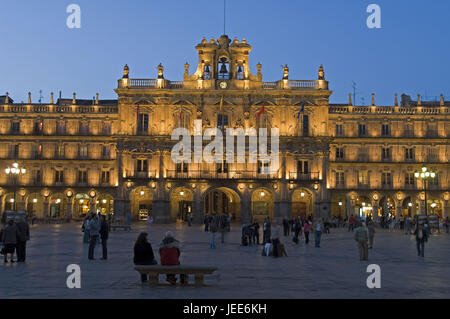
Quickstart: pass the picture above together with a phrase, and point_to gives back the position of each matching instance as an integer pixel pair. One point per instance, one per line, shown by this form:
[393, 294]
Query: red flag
[261, 111]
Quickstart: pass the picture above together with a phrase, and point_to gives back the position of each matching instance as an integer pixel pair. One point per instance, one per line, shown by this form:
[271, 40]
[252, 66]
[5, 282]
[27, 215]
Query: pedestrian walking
[371, 232]
[223, 226]
[94, 229]
[143, 253]
[306, 229]
[189, 217]
[351, 223]
[213, 229]
[296, 229]
[421, 237]
[206, 222]
[104, 234]
[10, 233]
[362, 236]
[318, 232]
[275, 238]
[24, 236]
[285, 227]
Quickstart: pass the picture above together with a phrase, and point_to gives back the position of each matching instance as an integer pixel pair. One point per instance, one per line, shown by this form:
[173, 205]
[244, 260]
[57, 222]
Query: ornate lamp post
[15, 171]
[425, 175]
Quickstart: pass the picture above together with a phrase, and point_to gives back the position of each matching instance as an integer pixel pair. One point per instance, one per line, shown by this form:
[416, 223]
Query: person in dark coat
[104, 234]
[9, 239]
[24, 236]
[421, 237]
[143, 253]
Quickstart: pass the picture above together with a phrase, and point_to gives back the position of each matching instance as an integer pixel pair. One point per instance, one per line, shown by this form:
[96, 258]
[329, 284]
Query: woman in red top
[306, 228]
[170, 256]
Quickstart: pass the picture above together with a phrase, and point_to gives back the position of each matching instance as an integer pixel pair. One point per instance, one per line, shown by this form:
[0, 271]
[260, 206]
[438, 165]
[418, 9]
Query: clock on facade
[223, 85]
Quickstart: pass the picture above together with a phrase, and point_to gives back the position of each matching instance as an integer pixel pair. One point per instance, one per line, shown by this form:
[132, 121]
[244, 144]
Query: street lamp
[15, 171]
[425, 175]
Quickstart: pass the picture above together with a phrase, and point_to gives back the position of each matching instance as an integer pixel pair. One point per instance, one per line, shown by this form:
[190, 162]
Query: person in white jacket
[149, 222]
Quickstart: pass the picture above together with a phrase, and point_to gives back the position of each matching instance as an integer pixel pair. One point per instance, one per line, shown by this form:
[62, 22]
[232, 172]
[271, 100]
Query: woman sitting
[170, 256]
[143, 253]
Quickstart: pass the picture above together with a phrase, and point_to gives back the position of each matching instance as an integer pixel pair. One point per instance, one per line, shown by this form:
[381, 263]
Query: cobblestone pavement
[332, 271]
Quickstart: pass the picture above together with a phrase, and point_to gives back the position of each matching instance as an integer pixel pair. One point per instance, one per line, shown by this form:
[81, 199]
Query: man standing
[318, 231]
[189, 219]
[351, 223]
[104, 233]
[421, 238]
[223, 227]
[361, 237]
[93, 228]
[275, 236]
[256, 232]
[24, 236]
[213, 229]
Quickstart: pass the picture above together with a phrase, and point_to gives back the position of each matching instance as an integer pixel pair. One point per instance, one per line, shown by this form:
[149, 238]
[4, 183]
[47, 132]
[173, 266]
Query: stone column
[246, 207]
[398, 209]
[93, 202]
[46, 206]
[197, 207]
[69, 208]
[446, 208]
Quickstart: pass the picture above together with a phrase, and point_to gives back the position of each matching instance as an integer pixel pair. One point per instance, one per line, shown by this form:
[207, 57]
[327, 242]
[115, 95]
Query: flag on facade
[301, 110]
[221, 104]
[261, 111]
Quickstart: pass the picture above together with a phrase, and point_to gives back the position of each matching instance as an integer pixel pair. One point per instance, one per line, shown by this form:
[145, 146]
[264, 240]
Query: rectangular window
[362, 129]
[142, 165]
[143, 124]
[106, 151]
[61, 130]
[305, 125]
[263, 167]
[222, 121]
[409, 154]
[107, 129]
[82, 176]
[16, 151]
[340, 179]
[59, 176]
[409, 179]
[339, 153]
[386, 179]
[302, 167]
[15, 128]
[37, 176]
[84, 128]
[363, 177]
[83, 151]
[38, 127]
[339, 130]
[386, 154]
[61, 151]
[385, 130]
[105, 177]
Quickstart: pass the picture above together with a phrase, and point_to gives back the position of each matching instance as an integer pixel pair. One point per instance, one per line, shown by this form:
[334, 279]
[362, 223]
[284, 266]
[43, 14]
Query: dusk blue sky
[409, 54]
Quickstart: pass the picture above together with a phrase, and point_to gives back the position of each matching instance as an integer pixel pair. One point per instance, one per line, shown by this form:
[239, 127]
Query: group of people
[14, 237]
[96, 230]
[217, 223]
[169, 252]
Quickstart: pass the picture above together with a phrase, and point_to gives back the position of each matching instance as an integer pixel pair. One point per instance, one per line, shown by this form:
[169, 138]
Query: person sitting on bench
[170, 256]
[143, 253]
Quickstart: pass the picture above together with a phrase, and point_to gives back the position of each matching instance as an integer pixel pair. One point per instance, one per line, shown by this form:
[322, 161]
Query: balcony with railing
[211, 174]
[311, 176]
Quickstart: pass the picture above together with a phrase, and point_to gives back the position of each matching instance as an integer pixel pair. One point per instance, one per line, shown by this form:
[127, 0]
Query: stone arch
[105, 204]
[263, 201]
[57, 205]
[34, 205]
[218, 200]
[181, 202]
[387, 206]
[302, 200]
[339, 206]
[141, 202]
[81, 205]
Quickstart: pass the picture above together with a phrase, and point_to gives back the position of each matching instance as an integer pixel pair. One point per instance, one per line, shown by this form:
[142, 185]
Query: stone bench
[153, 271]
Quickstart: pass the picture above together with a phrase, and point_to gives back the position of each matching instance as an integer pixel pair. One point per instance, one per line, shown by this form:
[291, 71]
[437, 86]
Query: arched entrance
[141, 202]
[105, 205]
[223, 200]
[35, 205]
[387, 207]
[82, 205]
[57, 206]
[339, 207]
[181, 199]
[262, 204]
[302, 203]
[363, 207]
[9, 201]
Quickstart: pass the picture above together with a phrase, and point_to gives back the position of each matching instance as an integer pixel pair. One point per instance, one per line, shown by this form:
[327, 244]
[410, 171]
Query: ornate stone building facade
[115, 155]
